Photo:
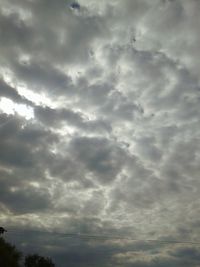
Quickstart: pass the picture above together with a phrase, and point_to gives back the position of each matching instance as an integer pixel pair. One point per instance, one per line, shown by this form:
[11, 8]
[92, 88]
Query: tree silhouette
[35, 260]
[9, 255]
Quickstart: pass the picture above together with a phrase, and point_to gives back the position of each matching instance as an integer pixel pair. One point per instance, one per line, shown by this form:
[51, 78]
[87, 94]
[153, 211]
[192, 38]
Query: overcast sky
[99, 129]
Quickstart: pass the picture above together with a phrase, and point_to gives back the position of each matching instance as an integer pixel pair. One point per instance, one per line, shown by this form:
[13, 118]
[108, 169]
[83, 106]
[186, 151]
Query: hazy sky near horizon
[99, 129]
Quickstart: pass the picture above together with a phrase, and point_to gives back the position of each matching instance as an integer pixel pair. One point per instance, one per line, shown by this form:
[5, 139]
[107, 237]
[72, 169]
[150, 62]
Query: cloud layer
[99, 129]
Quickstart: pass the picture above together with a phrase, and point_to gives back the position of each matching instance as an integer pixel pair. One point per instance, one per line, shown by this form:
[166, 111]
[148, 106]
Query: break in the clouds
[99, 129]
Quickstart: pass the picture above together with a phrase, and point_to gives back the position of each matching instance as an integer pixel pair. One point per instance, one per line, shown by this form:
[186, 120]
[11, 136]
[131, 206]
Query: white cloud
[7, 106]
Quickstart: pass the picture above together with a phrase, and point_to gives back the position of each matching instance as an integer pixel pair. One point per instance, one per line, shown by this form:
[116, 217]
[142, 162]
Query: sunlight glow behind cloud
[9, 107]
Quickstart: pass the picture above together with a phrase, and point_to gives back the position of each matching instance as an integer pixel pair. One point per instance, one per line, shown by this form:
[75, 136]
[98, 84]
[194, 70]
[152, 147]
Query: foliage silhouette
[9, 255]
[35, 260]
[2, 230]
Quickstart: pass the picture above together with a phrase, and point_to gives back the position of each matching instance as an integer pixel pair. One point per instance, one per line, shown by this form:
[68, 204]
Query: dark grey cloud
[24, 154]
[19, 200]
[11, 93]
[78, 120]
[15, 33]
[75, 5]
[43, 77]
[112, 142]
[99, 156]
[20, 142]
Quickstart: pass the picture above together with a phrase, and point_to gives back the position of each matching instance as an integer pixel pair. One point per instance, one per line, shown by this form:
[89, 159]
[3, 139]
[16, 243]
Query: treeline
[11, 257]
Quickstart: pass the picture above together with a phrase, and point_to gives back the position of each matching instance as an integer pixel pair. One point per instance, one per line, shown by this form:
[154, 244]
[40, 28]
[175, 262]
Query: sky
[99, 130]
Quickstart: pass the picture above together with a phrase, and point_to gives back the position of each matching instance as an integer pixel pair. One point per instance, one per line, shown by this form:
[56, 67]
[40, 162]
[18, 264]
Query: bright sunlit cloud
[9, 107]
[38, 99]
